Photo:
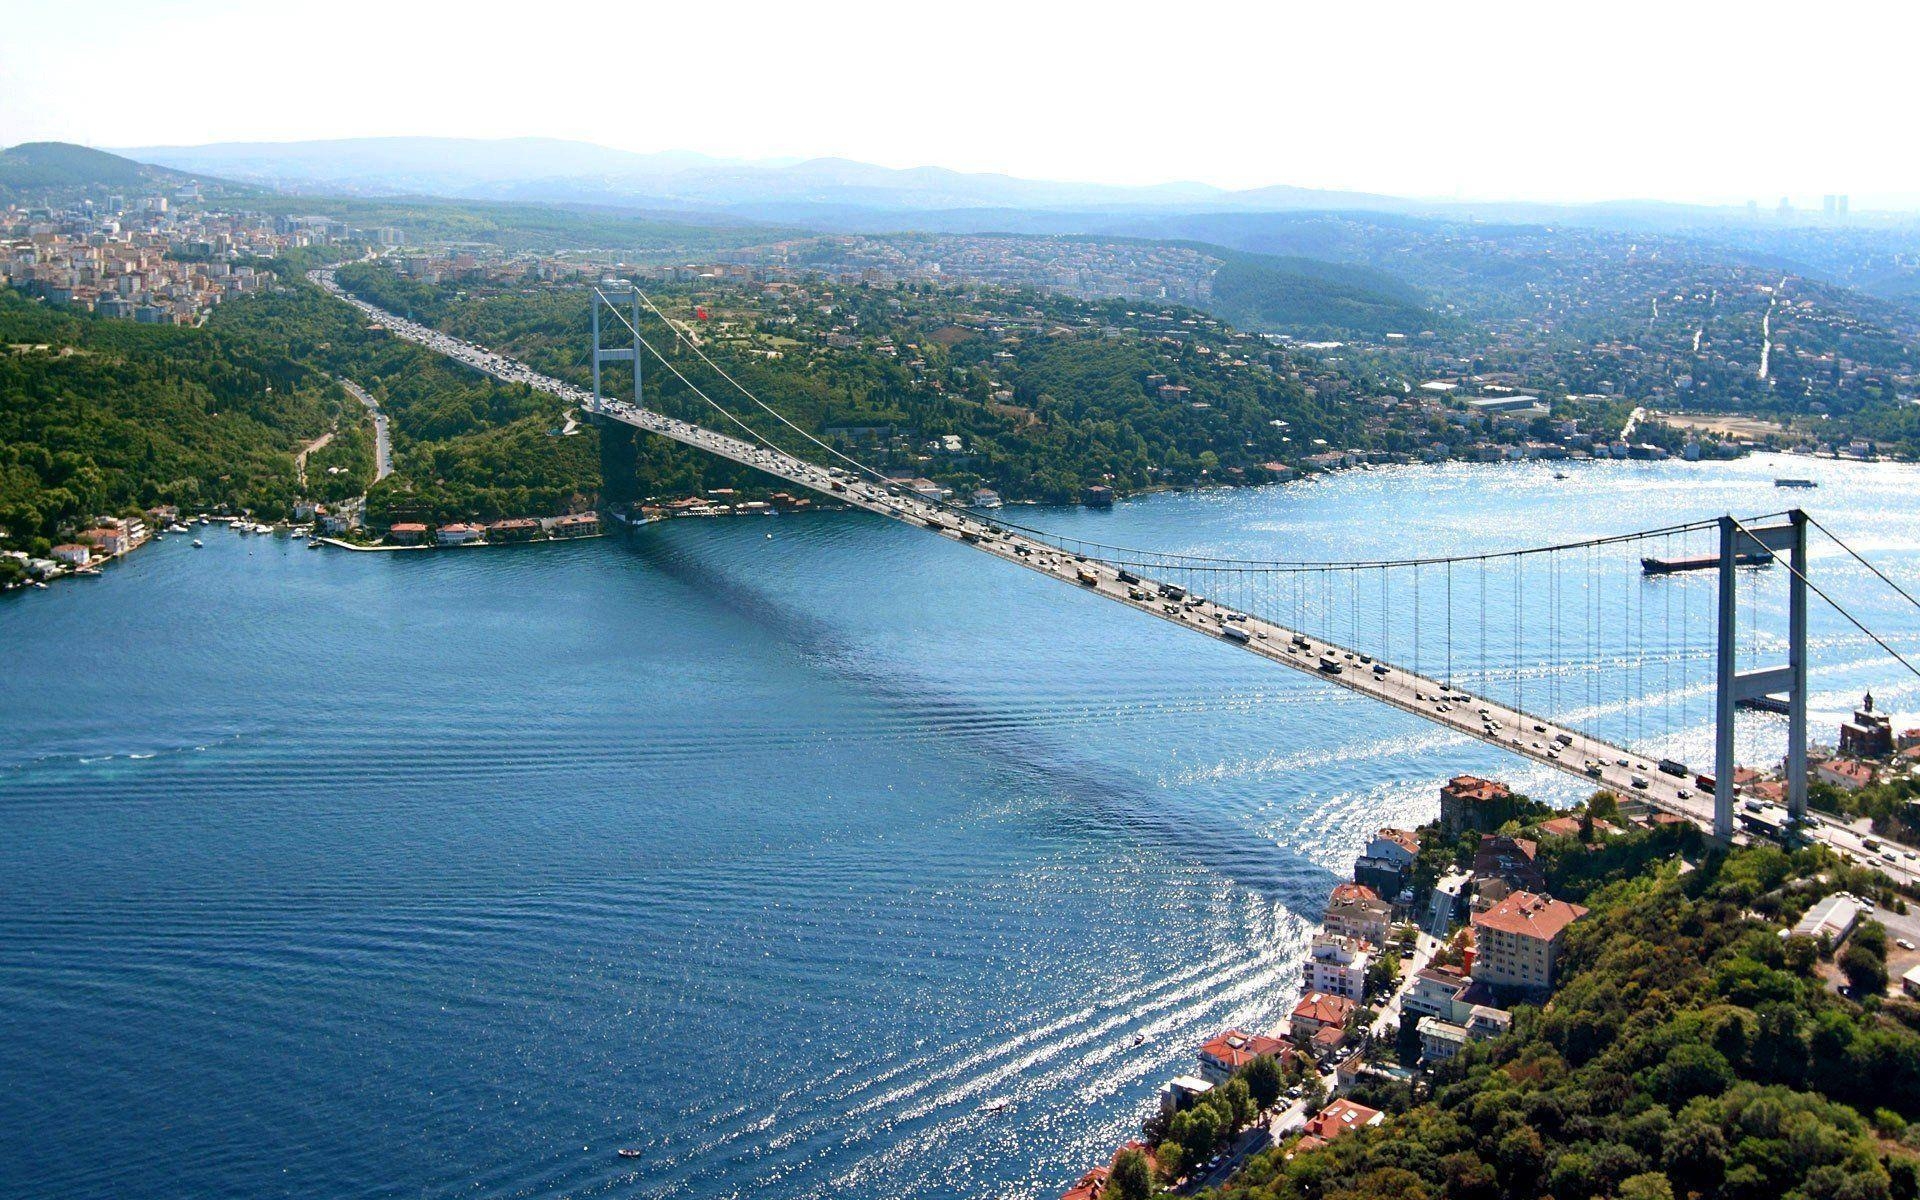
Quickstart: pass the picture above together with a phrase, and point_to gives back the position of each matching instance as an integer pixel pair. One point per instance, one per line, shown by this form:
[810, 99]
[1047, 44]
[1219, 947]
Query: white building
[1338, 966]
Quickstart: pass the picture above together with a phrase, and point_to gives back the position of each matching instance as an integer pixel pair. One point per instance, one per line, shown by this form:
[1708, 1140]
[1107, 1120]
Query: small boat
[629, 1152]
[1559, 474]
[1139, 1039]
[1796, 483]
[198, 544]
[999, 1104]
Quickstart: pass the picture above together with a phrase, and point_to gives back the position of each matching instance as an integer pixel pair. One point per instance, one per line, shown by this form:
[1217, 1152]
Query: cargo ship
[1796, 483]
[1704, 562]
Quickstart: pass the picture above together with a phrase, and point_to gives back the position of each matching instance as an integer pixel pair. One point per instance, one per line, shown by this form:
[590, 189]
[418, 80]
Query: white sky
[1678, 99]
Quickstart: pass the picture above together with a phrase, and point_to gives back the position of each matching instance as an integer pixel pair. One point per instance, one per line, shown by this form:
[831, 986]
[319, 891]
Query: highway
[1600, 763]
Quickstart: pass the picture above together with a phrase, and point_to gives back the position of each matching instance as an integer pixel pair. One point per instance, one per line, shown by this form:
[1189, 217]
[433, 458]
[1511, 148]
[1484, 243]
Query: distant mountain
[550, 169]
[55, 165]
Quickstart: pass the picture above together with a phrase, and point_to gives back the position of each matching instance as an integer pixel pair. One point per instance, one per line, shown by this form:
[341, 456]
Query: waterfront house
[1183, 1093]
[1386, 865]
[73, 554]
[1844, 773]
[1518, 941]
[1470, 802]
[1338, 966]
[576, 525]
[1317, 1011]
[1090, 1186]
[109, 539]
[513, 529]
[406, 533]
[457, 534]
[1223, 1055]
[1356, 911]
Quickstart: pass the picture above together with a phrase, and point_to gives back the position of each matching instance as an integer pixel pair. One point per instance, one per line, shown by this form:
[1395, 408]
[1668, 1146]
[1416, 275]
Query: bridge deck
[1535, 738]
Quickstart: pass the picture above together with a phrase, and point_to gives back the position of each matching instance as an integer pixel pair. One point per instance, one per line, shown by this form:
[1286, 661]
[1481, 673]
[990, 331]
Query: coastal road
[1602, 763]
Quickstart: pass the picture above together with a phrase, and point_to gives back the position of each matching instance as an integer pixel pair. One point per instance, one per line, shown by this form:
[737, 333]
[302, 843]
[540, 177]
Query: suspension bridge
[1586, 656]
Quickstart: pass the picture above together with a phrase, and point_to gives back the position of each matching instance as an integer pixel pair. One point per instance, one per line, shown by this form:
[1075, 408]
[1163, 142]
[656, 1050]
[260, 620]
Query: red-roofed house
[1509, 859]
[1227, 1053]
[1844, 773]
[1316, 1011]
[1355, 911]
[1341, 1117]
[1092, 1186]
[1517, 941]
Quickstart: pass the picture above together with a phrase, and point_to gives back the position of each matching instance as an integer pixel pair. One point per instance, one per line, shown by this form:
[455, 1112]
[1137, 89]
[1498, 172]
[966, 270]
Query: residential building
[1223, 1055]
[1434, 992]
[1386, 865]
[1440, 1040]
[513, 529]
[457, 534]
[1510, 860]
[1465, 803]
[1317, 1011]
[1338, 965]
[1485, 1022]
[1518, 941]
[577, 525]
[1183, 1093]
[73, 554]
[1356, 911]
[1337, 1119]
[1847, 774]
[406, 533]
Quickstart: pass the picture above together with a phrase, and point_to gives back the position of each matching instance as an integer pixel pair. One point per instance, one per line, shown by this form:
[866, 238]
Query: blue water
[369, 875]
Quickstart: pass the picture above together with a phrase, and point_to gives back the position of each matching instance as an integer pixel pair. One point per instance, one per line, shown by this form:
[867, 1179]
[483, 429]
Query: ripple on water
[340, 875]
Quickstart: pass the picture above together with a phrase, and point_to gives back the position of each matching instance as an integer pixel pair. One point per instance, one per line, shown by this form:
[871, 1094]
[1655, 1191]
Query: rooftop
[1531, 916]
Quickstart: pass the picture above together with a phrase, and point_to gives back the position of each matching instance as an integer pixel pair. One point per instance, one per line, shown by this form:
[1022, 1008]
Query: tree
[1865, 971]
[1132, 1177]
[1264, 1081]
[1650, 1185]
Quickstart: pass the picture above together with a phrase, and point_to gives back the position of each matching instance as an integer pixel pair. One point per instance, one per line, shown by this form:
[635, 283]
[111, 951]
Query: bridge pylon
[619, 445]
[1741, 545]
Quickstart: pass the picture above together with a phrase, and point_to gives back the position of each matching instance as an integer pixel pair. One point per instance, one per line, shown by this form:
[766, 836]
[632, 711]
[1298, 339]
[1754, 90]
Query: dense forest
[1046, 395]
[102, 416]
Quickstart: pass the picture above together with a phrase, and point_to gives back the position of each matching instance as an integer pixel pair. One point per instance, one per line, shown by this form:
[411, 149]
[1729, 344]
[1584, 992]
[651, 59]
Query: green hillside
[1270, 293]
[55, 165]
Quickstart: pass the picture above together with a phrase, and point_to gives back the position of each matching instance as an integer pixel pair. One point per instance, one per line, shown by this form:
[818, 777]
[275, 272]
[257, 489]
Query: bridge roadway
[1569, 750]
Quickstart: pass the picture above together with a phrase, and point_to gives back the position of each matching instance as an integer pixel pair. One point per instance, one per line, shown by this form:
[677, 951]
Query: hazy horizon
[1507, 103]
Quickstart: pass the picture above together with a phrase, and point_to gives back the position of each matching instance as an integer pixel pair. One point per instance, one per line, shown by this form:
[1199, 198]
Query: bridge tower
[1737, 545]
[619, 447]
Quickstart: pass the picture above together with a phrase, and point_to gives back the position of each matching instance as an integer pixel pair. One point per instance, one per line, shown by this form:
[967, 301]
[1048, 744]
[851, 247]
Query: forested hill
[1261, 291]
[1042, 396]
[34, 168]
[1690, 1052]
